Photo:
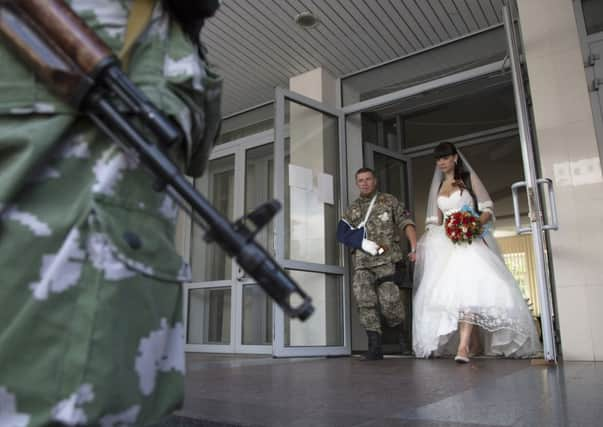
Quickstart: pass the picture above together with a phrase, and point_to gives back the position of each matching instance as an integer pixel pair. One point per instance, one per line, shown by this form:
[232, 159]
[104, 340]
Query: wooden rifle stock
[59, 23]
[50, 63]
[72, 60]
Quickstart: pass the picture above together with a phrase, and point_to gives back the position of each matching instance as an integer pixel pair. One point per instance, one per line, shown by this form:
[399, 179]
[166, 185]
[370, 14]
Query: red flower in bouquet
[462, 227]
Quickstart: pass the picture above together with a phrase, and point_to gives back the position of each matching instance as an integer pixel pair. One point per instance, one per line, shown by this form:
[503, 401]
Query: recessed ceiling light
[306, 20]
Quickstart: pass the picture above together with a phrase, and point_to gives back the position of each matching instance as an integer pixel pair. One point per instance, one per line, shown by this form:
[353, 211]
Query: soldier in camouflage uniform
[91, 329]
[380, 252]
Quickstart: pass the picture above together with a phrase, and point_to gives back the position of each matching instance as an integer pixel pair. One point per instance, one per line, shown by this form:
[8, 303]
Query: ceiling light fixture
[306, 20]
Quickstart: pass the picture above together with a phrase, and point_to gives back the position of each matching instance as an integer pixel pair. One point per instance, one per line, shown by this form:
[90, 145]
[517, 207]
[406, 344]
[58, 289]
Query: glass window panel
[593, 15]
[391, 176]
[370, 132]
[248, 123]
[325, 326]
[210, 262]
[465, 54]
[259, 188]
[257, 316]
[499, 165]
[468, 114]
[391, 140]
[518, 253]
[311, 185]
[209, 316]
[383, 133]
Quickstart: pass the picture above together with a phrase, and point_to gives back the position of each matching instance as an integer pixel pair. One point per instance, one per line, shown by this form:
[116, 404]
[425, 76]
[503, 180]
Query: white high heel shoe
[461, 359]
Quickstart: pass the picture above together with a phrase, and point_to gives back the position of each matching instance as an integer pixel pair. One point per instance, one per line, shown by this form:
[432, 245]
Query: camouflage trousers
[373, 304]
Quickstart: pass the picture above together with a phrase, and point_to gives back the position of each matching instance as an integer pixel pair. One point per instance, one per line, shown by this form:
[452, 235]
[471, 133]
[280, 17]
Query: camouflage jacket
[165, 66]
[387, 221]
[91, 329]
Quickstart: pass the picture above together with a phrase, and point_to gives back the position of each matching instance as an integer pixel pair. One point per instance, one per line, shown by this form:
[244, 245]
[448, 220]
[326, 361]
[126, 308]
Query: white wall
[569, 155]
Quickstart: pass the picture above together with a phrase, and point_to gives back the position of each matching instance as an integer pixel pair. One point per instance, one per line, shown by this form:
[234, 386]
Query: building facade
[517, 91]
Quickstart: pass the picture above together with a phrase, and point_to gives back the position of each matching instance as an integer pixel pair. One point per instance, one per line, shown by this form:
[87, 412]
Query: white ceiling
[256, 45]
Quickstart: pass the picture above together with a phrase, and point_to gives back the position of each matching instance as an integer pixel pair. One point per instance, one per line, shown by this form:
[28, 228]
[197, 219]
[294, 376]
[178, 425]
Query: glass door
[309, 179]
[531, 187]
[225, 310]
[257, 321]
[393, 171]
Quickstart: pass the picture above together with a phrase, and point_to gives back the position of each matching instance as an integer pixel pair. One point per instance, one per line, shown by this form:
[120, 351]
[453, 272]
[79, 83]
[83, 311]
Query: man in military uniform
[91, 329]
[376, 259]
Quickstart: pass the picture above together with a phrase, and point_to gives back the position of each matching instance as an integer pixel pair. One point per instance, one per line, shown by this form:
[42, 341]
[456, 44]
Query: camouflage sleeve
[347, 214]
[167, 67]
[402, 217]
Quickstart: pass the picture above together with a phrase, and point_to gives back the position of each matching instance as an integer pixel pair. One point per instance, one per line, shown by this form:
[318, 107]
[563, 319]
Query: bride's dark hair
[191, 15]
[462, 177]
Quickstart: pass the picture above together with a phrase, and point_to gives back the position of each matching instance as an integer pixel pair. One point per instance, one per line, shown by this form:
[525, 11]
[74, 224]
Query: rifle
[81, 69]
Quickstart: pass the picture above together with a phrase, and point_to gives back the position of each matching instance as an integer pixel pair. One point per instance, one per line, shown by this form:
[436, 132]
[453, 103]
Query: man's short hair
[363, 170]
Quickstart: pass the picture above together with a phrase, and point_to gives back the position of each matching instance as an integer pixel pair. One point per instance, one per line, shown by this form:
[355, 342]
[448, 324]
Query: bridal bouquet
[463, 226]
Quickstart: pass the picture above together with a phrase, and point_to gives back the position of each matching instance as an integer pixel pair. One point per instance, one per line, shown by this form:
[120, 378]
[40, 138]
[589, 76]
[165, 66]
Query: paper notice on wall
[300, 177]
[326, 189]
[562, 174]
[586, 171]
[579, 172]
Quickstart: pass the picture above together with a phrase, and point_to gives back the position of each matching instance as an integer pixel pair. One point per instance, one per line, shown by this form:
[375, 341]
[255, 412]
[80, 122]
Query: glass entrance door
[392, 170]
[393, 176]
[225, 310]
[309, 179]
[531, 189]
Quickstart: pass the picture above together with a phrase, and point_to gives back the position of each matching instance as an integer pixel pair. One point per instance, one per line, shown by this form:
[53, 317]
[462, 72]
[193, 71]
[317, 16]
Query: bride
[465, 290]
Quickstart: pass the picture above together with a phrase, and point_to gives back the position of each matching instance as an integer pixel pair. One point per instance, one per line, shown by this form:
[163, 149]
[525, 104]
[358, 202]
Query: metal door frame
[531, 184]
[238, 149]
[280, 132]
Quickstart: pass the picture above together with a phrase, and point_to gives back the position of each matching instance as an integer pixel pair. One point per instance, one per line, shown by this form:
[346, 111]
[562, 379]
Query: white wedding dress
[469, 283]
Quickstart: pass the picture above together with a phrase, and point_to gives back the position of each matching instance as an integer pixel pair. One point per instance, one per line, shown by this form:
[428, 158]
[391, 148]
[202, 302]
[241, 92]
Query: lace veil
[484, 201]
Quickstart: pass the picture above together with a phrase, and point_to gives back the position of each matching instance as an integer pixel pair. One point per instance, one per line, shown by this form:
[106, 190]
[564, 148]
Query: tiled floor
[260, 391]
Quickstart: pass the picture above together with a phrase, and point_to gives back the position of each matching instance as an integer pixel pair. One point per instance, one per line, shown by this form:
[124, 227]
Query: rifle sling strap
[138, 20]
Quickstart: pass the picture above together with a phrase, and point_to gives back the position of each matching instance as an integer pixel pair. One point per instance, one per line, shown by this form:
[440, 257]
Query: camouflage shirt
[387, 221]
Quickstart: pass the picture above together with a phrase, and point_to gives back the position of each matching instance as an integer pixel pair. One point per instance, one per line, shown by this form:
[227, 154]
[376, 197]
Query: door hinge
[596, 84]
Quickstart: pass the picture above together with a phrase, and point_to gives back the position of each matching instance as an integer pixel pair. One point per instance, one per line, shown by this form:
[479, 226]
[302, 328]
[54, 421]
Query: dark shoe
[375, 351]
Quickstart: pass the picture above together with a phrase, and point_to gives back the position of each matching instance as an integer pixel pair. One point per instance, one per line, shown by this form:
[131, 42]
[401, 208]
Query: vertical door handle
[517, 215]
[554, 221]
[554, 225]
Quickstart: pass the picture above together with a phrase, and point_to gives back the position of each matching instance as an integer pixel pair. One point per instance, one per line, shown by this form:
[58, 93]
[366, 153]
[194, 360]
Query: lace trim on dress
[493, 319]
